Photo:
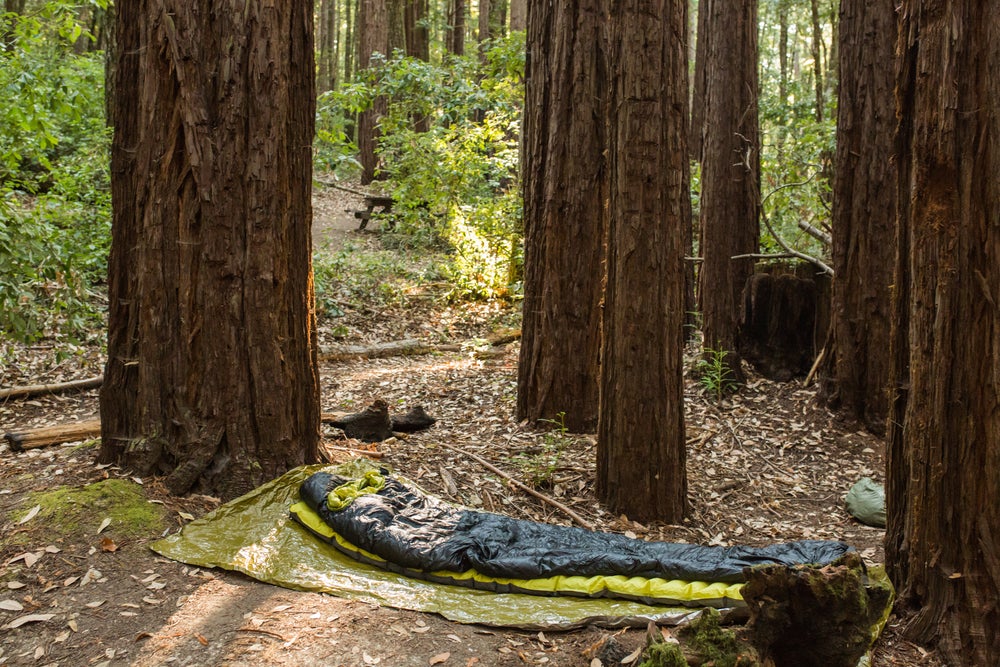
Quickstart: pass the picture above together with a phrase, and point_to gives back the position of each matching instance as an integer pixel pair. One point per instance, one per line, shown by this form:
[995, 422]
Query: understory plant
[448, 151]
[715, 374]
[55, 202]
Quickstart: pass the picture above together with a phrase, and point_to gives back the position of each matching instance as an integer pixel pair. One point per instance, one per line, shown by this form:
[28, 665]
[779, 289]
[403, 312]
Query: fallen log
[53, 388]
[396, 348]
[407, 347]
[53, 435]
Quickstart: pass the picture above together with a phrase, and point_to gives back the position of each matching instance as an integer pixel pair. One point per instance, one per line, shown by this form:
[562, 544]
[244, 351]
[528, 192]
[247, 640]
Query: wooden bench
[372, 202]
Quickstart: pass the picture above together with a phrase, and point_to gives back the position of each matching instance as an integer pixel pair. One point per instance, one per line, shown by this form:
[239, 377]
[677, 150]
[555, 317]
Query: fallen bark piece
[370, 425]
[53, 388]
[809, 616]
[414, 420]
[53, 435]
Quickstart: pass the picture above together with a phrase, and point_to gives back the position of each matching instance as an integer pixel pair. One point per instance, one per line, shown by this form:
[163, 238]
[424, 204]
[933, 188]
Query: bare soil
[765, 465]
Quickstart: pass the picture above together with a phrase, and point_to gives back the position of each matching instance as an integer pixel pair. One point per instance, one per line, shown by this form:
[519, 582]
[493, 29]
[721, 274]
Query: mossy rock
[74, 512]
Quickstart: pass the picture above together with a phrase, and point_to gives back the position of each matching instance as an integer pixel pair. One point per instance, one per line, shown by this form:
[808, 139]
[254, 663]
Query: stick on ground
[527, 489]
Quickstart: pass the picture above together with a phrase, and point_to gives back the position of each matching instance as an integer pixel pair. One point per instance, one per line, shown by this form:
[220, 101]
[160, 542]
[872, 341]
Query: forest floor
[765, 465]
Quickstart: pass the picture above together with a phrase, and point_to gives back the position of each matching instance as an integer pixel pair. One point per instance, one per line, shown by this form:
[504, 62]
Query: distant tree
[864, 211]
[417, 35]
[730, 171]
[518, 14]
[373, 37]
[327, 25]
[565, 189]
[211, 377]
[455, 37]
[641, 469]
[943, 452]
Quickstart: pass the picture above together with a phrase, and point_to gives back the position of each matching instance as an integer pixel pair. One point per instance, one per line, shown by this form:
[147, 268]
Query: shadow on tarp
[255, 534]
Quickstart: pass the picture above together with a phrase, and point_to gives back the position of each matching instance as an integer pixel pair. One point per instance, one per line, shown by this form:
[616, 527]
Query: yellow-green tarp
[255, 535]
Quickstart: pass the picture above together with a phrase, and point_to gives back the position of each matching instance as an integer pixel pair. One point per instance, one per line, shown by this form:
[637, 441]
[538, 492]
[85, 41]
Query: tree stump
[370, 425]
[810, 616]
[781, 317]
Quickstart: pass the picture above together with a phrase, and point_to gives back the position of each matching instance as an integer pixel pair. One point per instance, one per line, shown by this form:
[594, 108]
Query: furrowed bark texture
[864, 210]
[565, 188]
[641, 460]
[943, 539]
[211, 377]
[730, 171]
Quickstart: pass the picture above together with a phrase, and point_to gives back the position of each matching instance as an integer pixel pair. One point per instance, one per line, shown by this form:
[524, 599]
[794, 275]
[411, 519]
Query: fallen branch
[787, 248]
[54, 388]
[33, 438]
[815, 232]
[815, 367]
[527, 489]
[352, 450]
[345, 188]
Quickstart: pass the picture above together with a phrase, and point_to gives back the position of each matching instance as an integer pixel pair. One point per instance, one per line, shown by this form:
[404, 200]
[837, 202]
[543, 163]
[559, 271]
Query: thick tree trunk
[864, 210]
[397, 25]
[943, 540]
[730, 174]
[565, 189]
[641, 468]
[211, 377]
[373, 37]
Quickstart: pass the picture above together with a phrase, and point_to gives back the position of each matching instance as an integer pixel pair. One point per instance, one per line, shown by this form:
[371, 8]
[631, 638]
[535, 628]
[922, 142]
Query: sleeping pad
[378, 520]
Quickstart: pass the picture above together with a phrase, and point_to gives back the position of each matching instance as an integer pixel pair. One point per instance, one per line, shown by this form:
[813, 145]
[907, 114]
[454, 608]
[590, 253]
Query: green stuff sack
[866, 502]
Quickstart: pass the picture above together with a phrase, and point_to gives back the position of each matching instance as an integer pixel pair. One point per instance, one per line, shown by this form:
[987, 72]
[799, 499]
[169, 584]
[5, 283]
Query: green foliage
[54, 180]
[715, 375]
[796, 148]
[449, 151]
[539, 465]
[357, 275]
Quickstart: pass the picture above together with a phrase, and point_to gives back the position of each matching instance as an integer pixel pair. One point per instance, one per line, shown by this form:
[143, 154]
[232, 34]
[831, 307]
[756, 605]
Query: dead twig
[527, 489]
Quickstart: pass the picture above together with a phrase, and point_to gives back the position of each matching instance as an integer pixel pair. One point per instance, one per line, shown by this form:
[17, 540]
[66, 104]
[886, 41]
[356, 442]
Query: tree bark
[697, 127]
[730, 196]
[211, 377]
[518, 15]
[417, 36]
[455, 41]
[565, 189]
[864, 209]
[326, 77]
[641, 469]
[373, 37]
[943, 454]
[817, 55]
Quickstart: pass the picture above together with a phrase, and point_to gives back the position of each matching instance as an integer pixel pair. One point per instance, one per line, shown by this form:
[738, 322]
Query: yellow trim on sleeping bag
[654, 591]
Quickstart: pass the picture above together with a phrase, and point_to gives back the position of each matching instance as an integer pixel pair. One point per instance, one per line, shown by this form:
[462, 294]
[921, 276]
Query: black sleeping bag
[420, 533]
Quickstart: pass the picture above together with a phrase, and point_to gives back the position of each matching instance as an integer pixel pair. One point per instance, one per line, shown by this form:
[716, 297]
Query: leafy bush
[55, 198]
[449, 149]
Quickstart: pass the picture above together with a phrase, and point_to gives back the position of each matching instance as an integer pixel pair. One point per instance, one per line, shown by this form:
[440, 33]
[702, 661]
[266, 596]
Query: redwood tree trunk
[373, 37]
[864, 210]
[417, 36]
[641, 469]
[730, 173]
[943, 540]
[326, 76]
[565, 188]
[211, 377]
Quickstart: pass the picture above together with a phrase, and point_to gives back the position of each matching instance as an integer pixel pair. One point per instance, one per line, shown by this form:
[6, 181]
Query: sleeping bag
[379, 520]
